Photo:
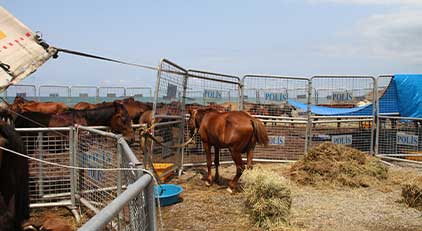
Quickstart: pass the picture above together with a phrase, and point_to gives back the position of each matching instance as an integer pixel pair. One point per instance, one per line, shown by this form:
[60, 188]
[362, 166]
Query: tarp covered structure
[20, 51]
[403, 96]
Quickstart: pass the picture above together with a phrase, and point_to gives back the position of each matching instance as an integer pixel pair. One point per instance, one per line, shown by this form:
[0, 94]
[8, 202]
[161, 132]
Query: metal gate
[54, 93]
[83, 93]
[346, 112]
[143, 94]
[269, 98]
[109, 94]
[28, 92]
[207, 89]
[168, 114]
[48, 185]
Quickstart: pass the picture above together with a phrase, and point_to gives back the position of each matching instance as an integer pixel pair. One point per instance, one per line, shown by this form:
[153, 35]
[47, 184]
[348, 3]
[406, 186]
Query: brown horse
[84, 106]
[235, 130]
[115, 116]
[14, 175]
[20, 105]
[133, 107]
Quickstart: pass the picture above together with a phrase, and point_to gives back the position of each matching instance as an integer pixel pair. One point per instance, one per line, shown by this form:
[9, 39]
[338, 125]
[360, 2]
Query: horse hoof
[229, 190]
[207, 183]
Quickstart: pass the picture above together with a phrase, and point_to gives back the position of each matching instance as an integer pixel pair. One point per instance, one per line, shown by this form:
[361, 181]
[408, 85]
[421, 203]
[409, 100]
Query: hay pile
[412, 193]
[267, 198]
[332, 164]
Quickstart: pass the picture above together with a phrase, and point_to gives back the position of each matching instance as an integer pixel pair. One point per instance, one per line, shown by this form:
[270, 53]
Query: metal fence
[354, 128]
[267, 97]
[400, 138]
[208, 89]
[74, 94]
[101, 190]
[27, 91]
[90, 189]
[48, 185]
[168, 114]
[54, 93]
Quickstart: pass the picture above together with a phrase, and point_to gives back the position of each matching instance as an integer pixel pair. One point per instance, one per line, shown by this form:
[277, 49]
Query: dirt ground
[313, 208]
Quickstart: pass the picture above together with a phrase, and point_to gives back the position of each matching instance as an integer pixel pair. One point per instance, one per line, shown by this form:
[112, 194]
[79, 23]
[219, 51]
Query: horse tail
[260, 132]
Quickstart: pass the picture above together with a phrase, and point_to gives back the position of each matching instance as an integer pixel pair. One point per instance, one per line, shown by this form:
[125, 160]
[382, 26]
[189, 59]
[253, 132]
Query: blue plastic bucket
[167, 193]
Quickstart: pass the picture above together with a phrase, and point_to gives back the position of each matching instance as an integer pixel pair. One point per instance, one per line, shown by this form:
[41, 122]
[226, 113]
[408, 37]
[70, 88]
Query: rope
[104, 58]
[146, 134]
[117, 61]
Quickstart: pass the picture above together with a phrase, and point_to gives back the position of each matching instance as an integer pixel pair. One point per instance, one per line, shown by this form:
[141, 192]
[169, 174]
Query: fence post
[241, 94]
[119, 165]
[182, 129]
[72, 163]
[375, 133]
[308, 138]
[41, 166]
[151, 211]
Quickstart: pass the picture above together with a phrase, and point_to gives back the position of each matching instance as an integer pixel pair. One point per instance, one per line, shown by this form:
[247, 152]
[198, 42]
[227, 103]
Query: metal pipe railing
[106, 215]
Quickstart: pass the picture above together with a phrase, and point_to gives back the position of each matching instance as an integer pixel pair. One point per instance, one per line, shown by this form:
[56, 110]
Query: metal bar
[150, 206]
[169, 116]
[168, 123]
[374, 117]
[284, 121]
[87, 204]
[99, 132]
[211, 73]
[308, 138]
[72, 158]
[129, 153]
[42, 129]
[51, 204]
[207, 78]
[400, 118]
[400, 154]
[343, 76]
[347, 117]
[399, 159]
[276, 77]
[119, 164]
[279, 117]
[102, 218]
[41, 165]
[340, 121]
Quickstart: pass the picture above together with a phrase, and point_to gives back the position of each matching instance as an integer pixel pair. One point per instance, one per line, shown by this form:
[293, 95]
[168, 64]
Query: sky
[279, 37]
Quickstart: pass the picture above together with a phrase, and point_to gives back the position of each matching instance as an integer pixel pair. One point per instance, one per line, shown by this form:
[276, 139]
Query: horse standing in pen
[235, 130]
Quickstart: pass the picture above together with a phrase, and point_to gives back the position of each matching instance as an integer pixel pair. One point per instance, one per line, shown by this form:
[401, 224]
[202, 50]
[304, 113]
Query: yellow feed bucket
[162, 170]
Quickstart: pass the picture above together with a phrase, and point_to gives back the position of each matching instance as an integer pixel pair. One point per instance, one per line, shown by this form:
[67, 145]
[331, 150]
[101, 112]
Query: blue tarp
[409, 91]
[403, 96]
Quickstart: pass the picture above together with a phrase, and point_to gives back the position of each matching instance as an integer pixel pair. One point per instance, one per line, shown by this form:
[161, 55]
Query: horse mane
[200, 113]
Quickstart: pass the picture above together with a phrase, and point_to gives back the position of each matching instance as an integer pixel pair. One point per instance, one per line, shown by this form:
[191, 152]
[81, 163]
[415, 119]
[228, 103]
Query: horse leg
[249, 159]
[217, 163]
[208, 179]
[240, 166]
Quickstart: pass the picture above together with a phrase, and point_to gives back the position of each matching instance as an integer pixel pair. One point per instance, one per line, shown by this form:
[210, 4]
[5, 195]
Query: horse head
[19, 100]
[122, 123]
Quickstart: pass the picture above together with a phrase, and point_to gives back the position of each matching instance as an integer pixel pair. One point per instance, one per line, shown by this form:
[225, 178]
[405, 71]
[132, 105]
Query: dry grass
[267, 198]
[412, 193]
[377, 208]
[331, 164]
